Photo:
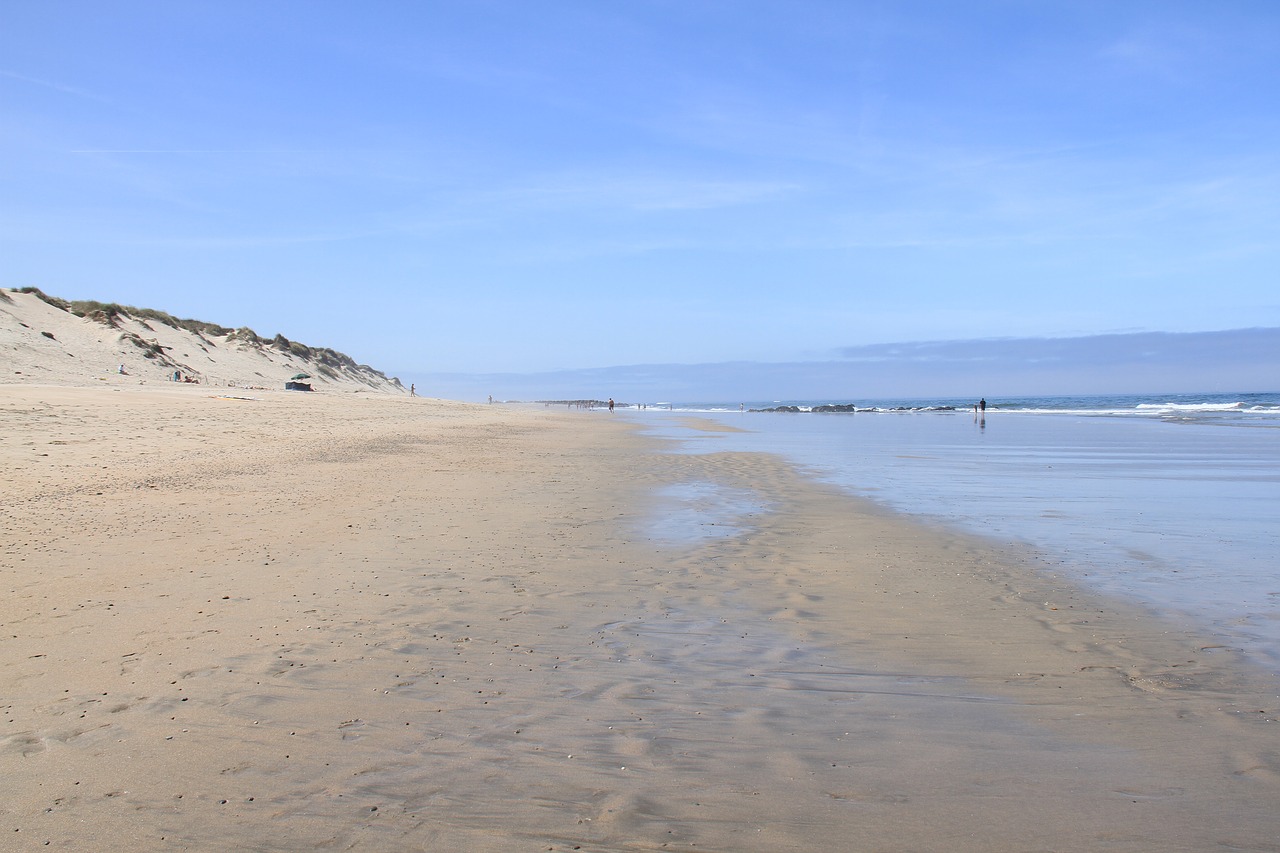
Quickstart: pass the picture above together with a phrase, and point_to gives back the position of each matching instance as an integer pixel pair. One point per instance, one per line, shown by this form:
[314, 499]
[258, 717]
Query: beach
[272, 621]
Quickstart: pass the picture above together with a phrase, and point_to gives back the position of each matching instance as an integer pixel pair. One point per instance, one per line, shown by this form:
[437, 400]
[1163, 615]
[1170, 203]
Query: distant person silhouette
[982, 405]
[611, 404]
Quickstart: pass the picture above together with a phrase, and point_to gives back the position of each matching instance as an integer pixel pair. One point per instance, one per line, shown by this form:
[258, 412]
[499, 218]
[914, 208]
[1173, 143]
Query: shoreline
[380, 623]
[1170, 515]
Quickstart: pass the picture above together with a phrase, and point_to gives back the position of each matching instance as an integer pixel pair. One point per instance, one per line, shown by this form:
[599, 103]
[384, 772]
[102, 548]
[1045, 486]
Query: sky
[568, 190]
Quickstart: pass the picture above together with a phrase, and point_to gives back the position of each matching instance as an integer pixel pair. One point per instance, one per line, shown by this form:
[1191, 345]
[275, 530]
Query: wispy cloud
[1237, 360]
[136, 236]
[1165, 50]
[1168, 348]
[54, 85]
[633, 191]
[268, 151]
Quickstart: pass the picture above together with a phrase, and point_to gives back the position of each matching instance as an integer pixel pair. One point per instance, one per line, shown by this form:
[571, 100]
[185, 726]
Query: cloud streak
[55, 86]
[1238, 360]
[1169, 348]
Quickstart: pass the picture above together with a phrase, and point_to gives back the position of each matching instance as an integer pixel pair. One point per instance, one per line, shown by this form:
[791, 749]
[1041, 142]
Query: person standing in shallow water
[982, 405]
[611, 404]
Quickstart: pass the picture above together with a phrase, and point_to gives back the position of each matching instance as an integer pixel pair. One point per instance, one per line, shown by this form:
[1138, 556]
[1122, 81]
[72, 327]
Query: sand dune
[46, 344]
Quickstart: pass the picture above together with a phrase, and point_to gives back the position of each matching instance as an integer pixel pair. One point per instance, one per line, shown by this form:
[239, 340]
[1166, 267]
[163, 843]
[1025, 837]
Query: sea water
[1172, 501]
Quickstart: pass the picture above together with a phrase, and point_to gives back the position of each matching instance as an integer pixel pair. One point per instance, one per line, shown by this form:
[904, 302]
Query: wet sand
[360, 623]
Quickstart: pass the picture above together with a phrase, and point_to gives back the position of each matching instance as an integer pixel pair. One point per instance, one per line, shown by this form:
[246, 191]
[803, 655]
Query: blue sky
[528, 187]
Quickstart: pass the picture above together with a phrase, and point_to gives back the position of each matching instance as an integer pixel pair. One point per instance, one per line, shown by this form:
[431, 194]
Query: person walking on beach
[611, 404]
[413, 390]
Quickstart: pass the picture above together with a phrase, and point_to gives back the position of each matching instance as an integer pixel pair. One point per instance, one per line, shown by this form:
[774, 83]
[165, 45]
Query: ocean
[1169, 500]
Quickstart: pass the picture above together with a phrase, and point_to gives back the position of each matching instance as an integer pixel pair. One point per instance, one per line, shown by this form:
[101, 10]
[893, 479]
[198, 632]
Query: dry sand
[363, 622]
